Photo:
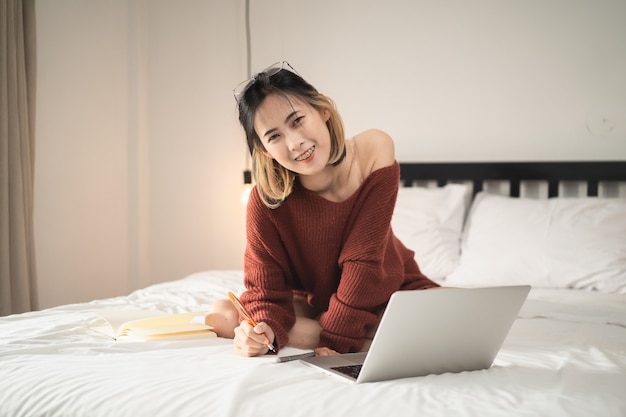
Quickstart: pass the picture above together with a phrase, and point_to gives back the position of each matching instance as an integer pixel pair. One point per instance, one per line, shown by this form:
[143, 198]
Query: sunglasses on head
[243, 86]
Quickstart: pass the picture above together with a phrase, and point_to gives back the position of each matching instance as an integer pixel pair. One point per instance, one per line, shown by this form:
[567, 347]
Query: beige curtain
[18, 280]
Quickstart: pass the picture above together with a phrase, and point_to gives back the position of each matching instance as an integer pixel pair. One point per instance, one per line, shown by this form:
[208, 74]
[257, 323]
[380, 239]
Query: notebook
[432, 332]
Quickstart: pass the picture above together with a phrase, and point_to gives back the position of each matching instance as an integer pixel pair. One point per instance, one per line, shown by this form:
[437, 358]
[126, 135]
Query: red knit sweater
[343, 256]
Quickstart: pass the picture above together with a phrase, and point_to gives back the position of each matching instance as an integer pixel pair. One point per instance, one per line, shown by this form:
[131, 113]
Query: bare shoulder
[375, 150]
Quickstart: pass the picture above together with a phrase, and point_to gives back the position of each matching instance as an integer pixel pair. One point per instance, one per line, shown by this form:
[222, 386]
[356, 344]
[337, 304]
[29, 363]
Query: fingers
[249, 341]
[263, 328]
[324, 351]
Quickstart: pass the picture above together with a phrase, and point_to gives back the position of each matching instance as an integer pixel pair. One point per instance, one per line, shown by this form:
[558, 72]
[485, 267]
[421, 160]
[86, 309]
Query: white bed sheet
[564, 356]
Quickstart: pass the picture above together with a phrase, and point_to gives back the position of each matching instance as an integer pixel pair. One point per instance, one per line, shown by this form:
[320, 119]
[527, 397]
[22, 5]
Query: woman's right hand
[250, 341]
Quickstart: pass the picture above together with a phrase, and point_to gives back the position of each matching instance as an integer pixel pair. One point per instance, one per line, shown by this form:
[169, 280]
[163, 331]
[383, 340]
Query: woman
[321, 260]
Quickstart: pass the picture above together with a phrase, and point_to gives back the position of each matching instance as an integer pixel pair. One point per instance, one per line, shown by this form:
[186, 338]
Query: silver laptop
[432, 332]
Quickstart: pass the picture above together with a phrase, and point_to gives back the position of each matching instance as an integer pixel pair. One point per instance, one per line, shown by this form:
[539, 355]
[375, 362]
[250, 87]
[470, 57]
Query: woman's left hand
[324, 351]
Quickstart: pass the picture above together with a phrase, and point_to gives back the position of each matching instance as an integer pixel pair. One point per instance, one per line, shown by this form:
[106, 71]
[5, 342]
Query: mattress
[564, 356]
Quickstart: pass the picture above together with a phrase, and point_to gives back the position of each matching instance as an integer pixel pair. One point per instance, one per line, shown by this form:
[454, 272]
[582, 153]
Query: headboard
[590, 172]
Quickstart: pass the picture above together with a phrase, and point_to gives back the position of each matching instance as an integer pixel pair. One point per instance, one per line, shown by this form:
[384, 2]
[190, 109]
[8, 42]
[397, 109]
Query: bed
[470, 224]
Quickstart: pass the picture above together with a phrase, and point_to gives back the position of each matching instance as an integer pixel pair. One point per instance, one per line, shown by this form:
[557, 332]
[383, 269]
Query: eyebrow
[289, 117]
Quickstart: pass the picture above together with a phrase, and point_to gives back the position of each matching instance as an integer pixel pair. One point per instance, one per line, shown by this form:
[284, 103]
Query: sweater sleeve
[268, 296]
[371, 264]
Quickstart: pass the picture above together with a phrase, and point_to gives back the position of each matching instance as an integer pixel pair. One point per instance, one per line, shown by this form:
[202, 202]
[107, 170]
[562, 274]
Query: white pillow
[429, 221]
[557, 243]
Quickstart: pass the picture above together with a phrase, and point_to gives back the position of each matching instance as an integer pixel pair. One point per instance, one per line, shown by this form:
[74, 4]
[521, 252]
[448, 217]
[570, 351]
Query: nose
[294, 142]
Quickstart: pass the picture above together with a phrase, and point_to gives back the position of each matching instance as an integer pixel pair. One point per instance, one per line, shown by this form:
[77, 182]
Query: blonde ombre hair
[273, 181]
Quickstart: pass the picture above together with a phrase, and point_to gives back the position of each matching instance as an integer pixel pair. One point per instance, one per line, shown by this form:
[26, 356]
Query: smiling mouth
[306, 155]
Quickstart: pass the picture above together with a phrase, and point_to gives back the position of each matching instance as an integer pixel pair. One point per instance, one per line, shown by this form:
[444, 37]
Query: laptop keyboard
[350, 370]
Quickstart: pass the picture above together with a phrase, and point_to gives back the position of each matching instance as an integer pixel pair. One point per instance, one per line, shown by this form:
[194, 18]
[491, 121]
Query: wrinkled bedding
[564, 356]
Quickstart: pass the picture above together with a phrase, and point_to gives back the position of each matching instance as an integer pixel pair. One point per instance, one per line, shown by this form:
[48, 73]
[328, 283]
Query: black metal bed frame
[591, 172]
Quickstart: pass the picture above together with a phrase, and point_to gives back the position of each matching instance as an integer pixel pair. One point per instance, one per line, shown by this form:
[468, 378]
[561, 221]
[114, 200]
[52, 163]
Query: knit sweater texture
[343, 256]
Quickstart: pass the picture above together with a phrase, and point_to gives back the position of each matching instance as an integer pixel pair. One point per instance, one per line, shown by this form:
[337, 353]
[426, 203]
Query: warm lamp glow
[245, 194]
[247, 187]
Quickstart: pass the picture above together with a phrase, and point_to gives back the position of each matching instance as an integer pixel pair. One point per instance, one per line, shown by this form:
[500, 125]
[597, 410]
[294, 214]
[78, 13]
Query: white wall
[82, 167]
[459, 80]
[139, 155]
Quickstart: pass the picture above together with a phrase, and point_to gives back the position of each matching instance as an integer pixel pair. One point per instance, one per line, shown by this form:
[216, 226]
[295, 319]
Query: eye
[297, 121]
[273, 137]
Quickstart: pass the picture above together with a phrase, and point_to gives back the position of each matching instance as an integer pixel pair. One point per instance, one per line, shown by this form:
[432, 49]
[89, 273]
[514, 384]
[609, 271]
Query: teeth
[306, 154]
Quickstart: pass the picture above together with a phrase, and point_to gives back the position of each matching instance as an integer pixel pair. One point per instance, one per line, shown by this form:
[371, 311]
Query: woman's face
[294, 134]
